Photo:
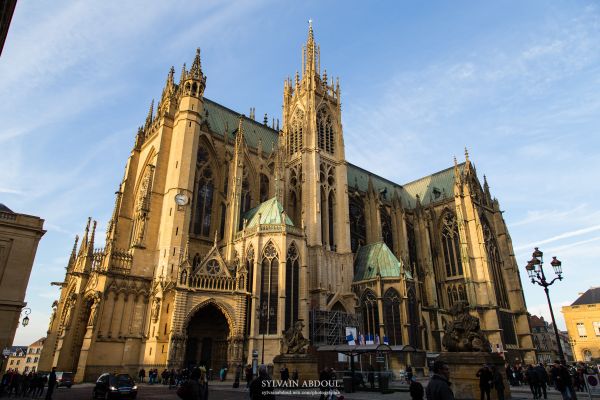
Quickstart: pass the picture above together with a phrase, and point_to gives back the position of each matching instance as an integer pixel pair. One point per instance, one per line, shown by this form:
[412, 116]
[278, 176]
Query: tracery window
[292, 286]
[451, 245]
[412, 249]
[213, 267]
[264, 188]
[327, 180]
[325, 131]
[246, 199]
[392, 320]
[495, 265]
[358, 228]
[386, 228]
[249, 283]
[204, 194]
[414, 332]
[295, 194]
[370, 313]
[295, 139]
[269, 289]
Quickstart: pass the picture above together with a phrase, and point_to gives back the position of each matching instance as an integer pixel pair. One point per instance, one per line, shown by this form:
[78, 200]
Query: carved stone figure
[155, 309]
[464, 332]
[70, 306]
[293, 341]
[94, 310]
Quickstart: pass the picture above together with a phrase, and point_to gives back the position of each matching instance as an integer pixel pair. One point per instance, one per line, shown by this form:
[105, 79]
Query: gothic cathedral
[227, 231]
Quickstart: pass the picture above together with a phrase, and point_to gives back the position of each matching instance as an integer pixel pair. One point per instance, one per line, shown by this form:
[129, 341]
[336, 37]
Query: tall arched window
[331, 219]
[264, 188]
[292, 285]
[495, 265]
[412, 249]
[370, 313]
[386, 228]
[295, 194]
[414, 333]
[325, 131]
[358, 228]
[249, 284]
[451, 245]
[204, 193]
[294, 138]
[392, 320]
[269, 289]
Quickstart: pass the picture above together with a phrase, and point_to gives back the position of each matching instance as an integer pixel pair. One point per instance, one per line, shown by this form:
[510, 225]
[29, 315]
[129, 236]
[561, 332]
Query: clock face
[181, 199]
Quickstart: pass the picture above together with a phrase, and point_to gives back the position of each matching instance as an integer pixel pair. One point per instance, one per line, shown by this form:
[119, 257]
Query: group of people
[28, 384]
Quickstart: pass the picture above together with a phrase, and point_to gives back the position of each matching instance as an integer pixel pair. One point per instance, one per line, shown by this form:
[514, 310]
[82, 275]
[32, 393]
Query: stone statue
[464, 332]
[293, 341]
[94, 310]
[155, 309]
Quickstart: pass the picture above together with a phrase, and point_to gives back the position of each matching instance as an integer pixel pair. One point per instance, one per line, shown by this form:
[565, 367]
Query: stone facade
[226, 231]
[19, 238]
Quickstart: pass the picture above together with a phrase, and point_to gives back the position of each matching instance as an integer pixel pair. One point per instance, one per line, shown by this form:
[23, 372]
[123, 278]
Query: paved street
[224, 391]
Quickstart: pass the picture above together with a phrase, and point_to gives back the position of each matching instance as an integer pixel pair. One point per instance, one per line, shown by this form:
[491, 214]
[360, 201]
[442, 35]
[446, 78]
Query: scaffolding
[329, 327]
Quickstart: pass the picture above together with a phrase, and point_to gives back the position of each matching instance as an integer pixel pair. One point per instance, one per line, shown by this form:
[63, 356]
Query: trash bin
[347, 381]
[384, 382]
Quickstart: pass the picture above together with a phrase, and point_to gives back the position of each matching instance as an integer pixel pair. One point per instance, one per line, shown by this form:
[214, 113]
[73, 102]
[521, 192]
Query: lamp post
[535, 270]
[26, 311]
[264, 314]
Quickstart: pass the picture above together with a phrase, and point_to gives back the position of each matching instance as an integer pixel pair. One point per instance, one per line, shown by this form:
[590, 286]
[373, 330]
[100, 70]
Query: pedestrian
[409, 374]
[416, 389]
[562, 380]
[285, 373]
[249, 375]
[439, 384]
[485, 381]
[142, 375]
[532, 380]
[542, 377]
[259, 389]
[51, 384]
[498, 382]
[238, 374]
[371, 377]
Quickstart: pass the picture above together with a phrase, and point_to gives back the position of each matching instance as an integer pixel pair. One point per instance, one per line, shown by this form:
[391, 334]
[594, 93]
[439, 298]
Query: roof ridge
[243, 115]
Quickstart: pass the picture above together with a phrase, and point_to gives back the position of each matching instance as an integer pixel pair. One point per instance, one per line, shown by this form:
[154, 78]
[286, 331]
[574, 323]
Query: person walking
[532, 379]
[485, 381]
[260, 390]
[285, 373]
[542, 377]
[142, 375]
[416, 389]
[439, 384]
[51, 384]
[249, 375]
[238, 375]
[498, 382]
[562, 380]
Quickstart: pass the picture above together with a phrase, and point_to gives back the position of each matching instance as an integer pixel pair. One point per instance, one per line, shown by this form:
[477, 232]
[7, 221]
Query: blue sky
[517, 82]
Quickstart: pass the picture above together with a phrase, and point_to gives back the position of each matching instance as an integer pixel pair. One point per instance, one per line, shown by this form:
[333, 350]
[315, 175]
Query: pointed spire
[467, 161]
[150, 115]
[183, 75]
[486, 189]
[466, 154]
[91, 242]
[186, 251]
[73, 253]
[196, 68]
[84, 240]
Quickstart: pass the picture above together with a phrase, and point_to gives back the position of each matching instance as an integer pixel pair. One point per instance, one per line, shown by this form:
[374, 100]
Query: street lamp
[26, 311]
[264, 314]
[535, 269]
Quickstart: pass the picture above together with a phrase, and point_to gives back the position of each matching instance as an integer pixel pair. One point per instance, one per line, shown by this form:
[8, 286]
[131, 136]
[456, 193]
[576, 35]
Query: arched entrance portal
[207, 338]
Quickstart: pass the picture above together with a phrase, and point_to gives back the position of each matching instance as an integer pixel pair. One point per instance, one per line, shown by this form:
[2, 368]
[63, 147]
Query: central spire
[311, 54]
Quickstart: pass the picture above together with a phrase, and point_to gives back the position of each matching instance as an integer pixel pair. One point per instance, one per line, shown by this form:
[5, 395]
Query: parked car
[115, 386]
[64, 379]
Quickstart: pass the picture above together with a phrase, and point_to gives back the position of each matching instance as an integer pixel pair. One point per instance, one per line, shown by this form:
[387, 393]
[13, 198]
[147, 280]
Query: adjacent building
[583, 325]
[544, 340]
[19, 238]
[227, 231]
[16, 359]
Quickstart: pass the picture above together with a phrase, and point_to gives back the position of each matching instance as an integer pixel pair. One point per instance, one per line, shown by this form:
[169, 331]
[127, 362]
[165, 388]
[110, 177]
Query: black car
[64, 379]
[115, 386]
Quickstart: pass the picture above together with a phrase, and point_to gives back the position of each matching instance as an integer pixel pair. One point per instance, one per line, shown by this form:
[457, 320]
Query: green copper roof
[220, 117]
[269, 213]
[376, 258]
[430, 189]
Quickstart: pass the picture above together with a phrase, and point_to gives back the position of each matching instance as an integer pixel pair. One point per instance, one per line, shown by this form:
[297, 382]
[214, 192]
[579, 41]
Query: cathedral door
[207, 333]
